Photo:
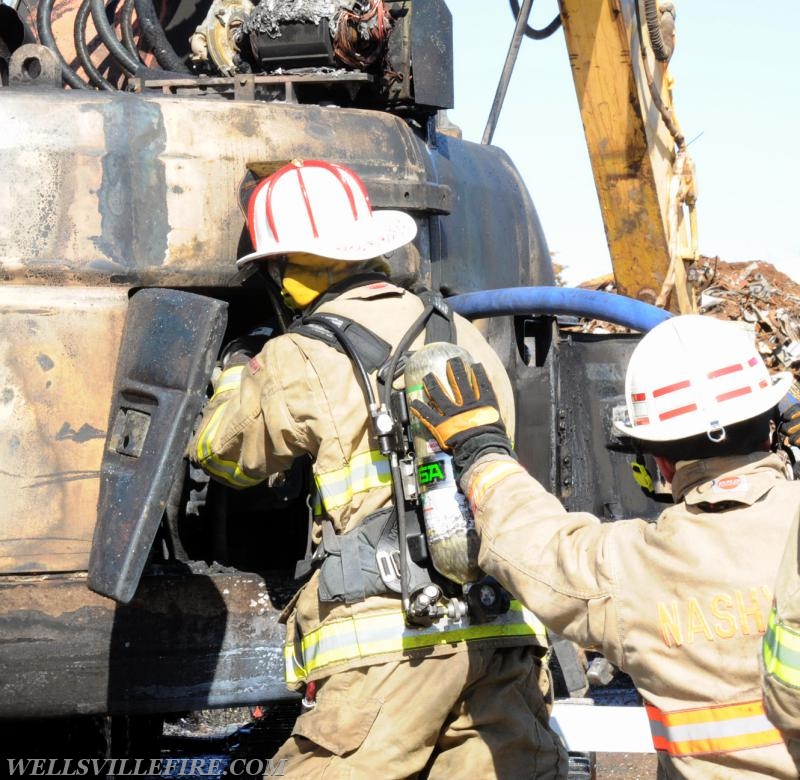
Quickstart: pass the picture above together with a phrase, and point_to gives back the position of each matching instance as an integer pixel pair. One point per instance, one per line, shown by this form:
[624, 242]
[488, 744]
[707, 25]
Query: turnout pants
[479, 713]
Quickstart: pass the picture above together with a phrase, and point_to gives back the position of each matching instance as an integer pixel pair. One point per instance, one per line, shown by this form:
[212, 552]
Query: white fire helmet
[323, 209]
[694, 374]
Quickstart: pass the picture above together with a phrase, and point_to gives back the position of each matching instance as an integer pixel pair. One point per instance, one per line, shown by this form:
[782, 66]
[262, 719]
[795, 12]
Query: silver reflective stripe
[712, 730]
[719, 728]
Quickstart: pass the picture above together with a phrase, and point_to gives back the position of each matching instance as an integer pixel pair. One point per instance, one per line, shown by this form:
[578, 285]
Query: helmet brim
[781, 383]
[384, 232]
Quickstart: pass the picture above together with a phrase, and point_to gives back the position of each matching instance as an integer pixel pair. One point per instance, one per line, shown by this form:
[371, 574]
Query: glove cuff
[474, 447]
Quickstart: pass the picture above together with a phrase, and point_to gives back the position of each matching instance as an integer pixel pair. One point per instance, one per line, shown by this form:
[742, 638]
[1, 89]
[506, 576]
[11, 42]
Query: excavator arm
[619, 52]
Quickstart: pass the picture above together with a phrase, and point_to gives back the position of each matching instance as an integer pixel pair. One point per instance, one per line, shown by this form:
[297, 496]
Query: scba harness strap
[365, 561]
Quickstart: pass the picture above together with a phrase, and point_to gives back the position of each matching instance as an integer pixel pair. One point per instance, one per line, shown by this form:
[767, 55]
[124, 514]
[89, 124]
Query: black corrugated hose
[660, 27]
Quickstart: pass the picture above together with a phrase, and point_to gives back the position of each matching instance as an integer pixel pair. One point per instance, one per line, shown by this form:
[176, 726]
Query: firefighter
[781, 645]
[380, 695]
[680, 604]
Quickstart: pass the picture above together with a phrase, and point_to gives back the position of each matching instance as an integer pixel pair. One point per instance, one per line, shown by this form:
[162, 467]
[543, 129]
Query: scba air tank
[449, 525]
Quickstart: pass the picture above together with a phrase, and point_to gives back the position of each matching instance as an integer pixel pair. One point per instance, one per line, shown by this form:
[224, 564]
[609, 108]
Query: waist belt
[781, 650]
[379, 633]
[722, 728]
[364, 561]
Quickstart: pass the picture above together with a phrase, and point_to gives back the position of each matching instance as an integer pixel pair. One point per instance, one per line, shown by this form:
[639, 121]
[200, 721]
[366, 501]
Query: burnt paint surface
[58, 349]
[144, 190]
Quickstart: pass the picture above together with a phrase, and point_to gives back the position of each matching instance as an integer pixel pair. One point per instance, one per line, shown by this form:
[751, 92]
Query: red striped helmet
[321, 208]
[693, 374]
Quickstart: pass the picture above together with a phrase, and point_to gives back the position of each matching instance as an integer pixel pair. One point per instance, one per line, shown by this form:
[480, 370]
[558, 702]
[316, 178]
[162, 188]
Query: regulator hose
[593, 304]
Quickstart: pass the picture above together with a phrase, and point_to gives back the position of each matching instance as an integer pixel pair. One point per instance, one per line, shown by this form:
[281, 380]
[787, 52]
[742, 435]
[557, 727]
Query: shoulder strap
[437, 320]
[372, 350]
[441, 325]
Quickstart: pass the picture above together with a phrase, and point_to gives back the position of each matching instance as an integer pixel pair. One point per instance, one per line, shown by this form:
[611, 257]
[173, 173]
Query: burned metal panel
[524, 345]
[58, 348]
[432, 54]
[591, 474]
[420, 51]
[534, 441]
[492, 238]
[168, 352]
[567, 387]
[184, 642]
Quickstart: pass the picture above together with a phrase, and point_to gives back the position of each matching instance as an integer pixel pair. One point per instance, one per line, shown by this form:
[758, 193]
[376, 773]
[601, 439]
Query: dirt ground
[626, 766]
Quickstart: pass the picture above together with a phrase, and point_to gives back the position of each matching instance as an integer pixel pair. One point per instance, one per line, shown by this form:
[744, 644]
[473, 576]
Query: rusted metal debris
[754, 292]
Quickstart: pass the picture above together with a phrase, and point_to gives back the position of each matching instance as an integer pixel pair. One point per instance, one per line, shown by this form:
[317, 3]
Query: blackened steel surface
[184, 642]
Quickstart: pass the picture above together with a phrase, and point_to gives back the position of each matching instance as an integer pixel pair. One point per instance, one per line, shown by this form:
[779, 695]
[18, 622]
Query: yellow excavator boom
[619, 52]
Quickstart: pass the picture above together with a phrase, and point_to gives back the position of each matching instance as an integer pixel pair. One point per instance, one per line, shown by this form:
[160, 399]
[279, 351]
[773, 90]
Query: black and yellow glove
[789, 425]
[468, 421]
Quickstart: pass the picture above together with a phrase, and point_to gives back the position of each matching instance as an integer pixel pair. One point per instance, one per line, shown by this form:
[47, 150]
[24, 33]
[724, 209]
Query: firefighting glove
[468, 421]
[789, 425]
[238, 351]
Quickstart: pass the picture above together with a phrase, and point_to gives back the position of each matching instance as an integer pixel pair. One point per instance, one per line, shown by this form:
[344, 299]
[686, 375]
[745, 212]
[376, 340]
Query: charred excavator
[130, 131]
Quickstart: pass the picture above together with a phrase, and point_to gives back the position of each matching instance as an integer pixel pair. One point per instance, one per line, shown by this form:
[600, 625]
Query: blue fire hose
[593, 304]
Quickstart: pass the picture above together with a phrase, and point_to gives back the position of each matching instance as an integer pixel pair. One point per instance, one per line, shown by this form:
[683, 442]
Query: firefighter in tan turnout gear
[781, 645]
[781, 649]
[389, 695]
[679, 604]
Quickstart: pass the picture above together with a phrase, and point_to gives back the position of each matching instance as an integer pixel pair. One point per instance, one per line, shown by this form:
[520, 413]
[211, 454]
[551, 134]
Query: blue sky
[736, 97]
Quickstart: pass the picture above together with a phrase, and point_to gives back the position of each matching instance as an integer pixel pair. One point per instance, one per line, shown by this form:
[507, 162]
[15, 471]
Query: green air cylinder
[449, 525]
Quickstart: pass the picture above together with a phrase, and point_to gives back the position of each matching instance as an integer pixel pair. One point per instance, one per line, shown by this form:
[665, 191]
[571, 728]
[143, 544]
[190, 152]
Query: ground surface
[221, 733]
[626, 766]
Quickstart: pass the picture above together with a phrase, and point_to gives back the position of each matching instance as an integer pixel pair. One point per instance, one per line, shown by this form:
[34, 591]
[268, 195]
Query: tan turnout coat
[679, 604]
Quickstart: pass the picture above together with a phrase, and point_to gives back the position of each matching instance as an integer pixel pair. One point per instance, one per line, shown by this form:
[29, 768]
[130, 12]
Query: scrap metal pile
[754, 292]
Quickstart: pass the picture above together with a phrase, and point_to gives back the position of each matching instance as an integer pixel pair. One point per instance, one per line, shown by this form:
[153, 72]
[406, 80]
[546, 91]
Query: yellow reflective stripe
[367, 635]
[227, 470]
[719, 729]
[229, 379]
[364, 472]
[781, 651]
[489, 476]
